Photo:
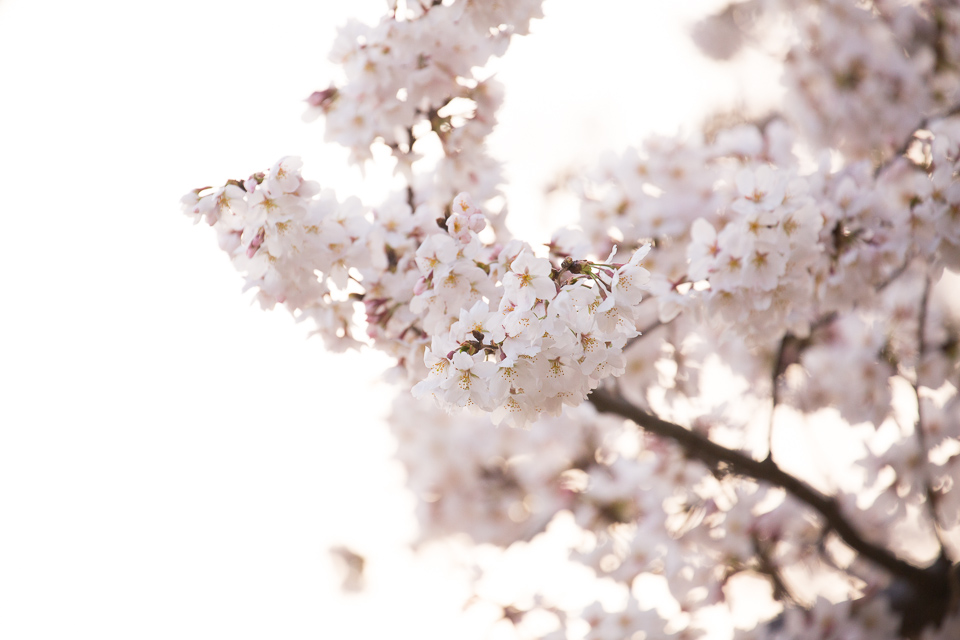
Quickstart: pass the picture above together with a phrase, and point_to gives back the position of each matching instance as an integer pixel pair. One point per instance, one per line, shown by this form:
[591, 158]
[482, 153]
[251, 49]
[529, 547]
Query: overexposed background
[174, 462]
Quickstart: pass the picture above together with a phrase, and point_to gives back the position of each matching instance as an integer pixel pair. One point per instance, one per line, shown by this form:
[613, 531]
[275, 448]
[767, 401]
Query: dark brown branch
[697, 446]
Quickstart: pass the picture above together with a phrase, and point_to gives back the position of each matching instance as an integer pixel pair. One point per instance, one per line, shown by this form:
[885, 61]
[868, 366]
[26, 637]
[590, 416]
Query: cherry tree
[637, 379]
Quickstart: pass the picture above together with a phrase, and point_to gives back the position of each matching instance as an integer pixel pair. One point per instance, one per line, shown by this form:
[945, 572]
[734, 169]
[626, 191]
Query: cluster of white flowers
[509, 332]
[806, 260]
[295, 243]
[412, 77]
[857, 73]
[851, 82]
[859, 389]
[512, 334]
[657, 193]
[935, 207]
[757, 265]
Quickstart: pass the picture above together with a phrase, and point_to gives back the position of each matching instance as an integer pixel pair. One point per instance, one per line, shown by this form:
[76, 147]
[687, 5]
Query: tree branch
[709, 452]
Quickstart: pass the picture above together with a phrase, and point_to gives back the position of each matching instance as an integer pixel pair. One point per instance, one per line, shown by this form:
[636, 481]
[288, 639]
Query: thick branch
[700, 447]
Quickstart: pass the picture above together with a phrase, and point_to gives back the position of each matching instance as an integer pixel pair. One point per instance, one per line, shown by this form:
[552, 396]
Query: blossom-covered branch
[729, 460]
[806, 261]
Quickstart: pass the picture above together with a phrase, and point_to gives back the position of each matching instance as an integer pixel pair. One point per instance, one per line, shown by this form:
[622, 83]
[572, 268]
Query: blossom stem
[930, 494]
[778, 368]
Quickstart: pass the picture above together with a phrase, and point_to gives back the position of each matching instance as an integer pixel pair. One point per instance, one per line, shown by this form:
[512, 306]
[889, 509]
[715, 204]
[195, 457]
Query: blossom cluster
[757, 265]
[412, 77]
[857, 74]
[295, 243]
[526, 338]
[509, 332]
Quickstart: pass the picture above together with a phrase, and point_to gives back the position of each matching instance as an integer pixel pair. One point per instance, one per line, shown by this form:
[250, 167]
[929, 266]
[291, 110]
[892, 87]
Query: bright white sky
[175, 463]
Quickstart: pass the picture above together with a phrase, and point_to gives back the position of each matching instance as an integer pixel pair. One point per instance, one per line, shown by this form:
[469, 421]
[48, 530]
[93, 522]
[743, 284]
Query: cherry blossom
[643, 381]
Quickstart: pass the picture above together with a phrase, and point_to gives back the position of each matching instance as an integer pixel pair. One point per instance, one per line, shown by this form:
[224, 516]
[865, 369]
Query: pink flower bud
[420, 287]
[255, 243]
[477, 222]
[322, 99]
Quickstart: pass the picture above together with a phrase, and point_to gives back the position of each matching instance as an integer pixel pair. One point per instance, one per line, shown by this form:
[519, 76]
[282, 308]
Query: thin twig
[899, 153]
[647, 329]
[893, 276]
[769, 568]
[931, 495]
[778, 367]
